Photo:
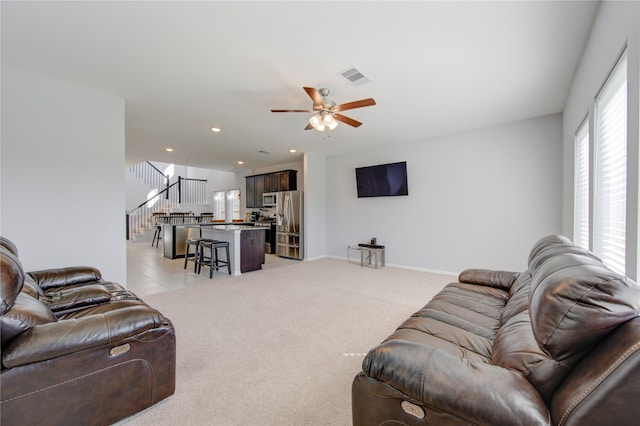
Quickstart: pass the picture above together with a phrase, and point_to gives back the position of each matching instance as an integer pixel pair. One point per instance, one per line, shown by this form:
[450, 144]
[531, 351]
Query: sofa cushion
[473, 392]
[462, 319]
[516, 348]
[100, 309]
[575, 300]
[518, 297]
[25, 313]
[32, 288]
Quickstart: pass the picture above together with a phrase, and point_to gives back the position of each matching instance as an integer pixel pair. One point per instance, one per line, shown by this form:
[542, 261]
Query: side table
[371, 255]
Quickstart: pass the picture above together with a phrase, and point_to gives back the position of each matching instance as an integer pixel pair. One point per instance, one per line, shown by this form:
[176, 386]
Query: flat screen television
[383, 180]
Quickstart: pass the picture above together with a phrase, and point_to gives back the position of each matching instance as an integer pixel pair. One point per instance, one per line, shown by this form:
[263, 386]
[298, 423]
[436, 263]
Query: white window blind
[581, 187]
[609, 214]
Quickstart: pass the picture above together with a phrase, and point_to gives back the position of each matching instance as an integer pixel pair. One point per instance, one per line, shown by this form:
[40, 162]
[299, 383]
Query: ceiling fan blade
[309, 127]
[347, 120]
[355, 104]
[314, 95]
[292, 110]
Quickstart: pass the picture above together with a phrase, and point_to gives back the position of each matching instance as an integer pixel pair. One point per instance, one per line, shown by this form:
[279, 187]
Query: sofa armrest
[487, 277]
[59, 277]
[63, 337]
[479, 393]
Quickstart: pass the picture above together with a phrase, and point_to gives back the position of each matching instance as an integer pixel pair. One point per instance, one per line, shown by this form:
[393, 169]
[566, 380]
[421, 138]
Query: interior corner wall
[476, 199]
[62, 181]
[315, 206]
[616, 24]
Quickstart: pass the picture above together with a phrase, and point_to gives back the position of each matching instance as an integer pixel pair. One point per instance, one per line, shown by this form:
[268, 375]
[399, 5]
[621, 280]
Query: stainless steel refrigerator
[289, 224]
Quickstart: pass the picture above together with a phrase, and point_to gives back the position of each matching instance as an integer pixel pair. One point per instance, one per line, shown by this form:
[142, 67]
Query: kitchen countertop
[234, 227]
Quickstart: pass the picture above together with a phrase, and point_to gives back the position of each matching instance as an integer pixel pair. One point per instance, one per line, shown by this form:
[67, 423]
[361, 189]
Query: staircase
[141, 221]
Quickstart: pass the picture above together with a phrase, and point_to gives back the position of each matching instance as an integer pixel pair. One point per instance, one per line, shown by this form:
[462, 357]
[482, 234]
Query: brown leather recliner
[556, 344]
[77, 349]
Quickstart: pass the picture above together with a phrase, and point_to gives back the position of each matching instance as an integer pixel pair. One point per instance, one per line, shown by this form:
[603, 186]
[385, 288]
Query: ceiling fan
[326, 111]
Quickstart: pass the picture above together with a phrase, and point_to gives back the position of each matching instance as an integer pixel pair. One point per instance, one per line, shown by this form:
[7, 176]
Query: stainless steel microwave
[269, 199]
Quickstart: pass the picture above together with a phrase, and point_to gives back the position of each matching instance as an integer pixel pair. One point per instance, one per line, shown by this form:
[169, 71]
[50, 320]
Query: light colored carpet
[281, 346]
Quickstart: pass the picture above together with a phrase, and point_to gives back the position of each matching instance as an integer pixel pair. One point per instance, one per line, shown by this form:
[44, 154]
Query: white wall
[63, 200]
[616, 24]
[477, 199]
[315, 206]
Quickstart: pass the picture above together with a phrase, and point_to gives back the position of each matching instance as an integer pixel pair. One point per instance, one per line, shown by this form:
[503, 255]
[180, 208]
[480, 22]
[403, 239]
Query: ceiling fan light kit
[317, 122]
[330, 122]
[326, 110]
[322, 120]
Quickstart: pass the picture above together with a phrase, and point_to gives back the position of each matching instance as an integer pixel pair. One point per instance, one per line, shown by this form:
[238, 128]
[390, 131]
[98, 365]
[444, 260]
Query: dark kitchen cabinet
[259, 190]
[268, 185]
[275, 182]
[251, 249]
[251, 192]
[284, 180]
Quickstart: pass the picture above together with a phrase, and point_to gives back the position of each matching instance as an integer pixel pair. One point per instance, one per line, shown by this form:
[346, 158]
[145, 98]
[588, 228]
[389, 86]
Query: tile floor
[149, 272]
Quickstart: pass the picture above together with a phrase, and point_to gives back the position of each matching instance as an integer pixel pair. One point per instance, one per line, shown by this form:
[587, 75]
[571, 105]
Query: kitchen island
[246, 244]
[174, 238]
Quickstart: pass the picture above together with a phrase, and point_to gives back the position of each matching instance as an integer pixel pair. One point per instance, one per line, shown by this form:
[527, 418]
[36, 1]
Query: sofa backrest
[575, 303]
[8, 244]
[18, 310]
[516, 348]
[575, 300]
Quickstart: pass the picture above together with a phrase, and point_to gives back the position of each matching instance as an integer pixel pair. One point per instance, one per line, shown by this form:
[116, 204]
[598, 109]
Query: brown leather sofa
[556, 344]
[77, 349]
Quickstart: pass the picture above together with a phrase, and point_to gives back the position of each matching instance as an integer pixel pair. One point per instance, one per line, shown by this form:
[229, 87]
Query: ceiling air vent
[262, 151]
[354, 76]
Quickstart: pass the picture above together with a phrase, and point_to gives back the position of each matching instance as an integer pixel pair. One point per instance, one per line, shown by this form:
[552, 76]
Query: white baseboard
[408, 267]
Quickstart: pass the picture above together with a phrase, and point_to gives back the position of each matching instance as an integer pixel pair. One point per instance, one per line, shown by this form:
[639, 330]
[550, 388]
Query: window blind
[609, 233]
[581, 187]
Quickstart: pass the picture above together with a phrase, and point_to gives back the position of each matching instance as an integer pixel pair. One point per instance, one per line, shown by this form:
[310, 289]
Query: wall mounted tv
[384, 180]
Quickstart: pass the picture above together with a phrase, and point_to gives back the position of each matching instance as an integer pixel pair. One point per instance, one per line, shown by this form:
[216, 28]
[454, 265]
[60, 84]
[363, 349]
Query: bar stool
[213, 261]
[157, 236]
[195, 242]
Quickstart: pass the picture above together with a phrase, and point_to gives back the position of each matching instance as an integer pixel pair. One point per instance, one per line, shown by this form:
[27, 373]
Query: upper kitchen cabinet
[255, 189]
[284, 180]
[251, 192]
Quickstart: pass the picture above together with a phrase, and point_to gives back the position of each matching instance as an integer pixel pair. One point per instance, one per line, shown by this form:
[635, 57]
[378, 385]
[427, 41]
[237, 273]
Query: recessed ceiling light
[240, 162]
[292, 151]
[169, 149]
[215, 129]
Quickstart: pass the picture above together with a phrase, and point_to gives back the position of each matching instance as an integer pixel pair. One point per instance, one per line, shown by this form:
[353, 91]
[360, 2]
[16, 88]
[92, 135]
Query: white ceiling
[183, 67]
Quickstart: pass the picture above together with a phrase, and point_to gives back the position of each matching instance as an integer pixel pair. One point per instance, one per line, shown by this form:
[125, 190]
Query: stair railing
[183, 191]
[150, 175]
